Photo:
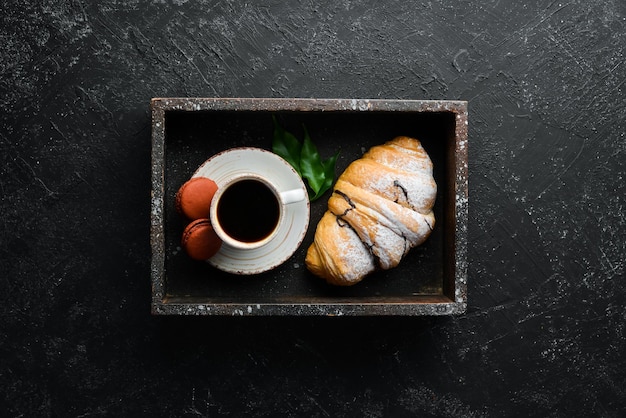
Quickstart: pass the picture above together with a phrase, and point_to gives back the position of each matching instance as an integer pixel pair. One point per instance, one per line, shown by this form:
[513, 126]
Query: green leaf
[311, 164]
[329, 175]
[305, 159]
[286, 146]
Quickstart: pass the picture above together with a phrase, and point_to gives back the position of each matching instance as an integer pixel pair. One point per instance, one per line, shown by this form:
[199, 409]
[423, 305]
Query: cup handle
[292, 196]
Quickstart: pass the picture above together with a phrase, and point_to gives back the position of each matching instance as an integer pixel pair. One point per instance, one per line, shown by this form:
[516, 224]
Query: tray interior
[191, 137]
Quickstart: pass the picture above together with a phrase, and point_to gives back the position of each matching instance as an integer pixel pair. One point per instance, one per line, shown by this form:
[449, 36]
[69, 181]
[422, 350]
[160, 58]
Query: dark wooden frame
[453, 297]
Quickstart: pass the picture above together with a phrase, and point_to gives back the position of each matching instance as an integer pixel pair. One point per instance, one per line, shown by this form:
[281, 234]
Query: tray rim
[452, 303]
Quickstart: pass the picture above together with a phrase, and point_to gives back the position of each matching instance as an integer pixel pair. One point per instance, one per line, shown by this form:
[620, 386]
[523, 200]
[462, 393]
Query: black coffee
[248, 211]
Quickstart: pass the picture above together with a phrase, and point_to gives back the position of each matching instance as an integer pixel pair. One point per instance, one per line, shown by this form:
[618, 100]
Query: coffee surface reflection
[248, 210]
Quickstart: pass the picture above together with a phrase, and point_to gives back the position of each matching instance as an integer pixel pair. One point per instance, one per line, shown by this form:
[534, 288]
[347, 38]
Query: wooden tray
[431, 280]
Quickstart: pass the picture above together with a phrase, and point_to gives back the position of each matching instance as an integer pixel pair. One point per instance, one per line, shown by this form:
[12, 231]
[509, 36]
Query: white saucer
[236, 161]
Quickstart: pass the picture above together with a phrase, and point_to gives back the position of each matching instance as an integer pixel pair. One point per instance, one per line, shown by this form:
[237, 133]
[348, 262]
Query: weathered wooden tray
[431, 280]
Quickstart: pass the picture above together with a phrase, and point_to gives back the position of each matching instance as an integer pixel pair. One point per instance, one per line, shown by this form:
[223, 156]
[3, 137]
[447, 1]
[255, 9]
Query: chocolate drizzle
[343, 223]
[340, 221]
[397, 184]
[346, 198]
[407, 246]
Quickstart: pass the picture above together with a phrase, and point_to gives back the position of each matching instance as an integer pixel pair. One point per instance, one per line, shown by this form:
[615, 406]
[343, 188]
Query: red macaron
[194, 197]
[200, 240]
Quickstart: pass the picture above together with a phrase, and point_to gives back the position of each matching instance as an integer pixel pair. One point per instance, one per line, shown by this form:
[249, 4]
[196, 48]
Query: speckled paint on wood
[453, 196]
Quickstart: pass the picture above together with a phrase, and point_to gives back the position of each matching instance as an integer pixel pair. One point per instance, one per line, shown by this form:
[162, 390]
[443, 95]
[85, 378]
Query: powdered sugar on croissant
[380, 208]
[337, 254]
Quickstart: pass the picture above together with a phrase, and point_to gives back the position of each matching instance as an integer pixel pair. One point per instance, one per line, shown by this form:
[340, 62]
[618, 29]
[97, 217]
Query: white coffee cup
[248, 209]
[244, 258]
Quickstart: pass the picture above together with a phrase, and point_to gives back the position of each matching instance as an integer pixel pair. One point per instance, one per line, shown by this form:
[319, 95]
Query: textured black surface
[544, 332]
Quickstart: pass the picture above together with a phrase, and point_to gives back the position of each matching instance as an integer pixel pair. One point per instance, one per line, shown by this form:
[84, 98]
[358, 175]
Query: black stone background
[544, 331]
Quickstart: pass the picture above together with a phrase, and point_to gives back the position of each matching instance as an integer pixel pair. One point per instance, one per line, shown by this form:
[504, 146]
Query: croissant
[380, 208]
